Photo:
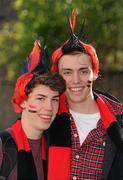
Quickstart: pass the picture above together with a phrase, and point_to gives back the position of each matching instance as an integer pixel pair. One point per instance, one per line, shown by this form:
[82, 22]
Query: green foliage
[46, 19]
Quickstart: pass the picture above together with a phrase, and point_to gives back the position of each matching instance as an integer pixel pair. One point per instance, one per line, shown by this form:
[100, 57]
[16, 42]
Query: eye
[66, 73]
[55, 99]
[40, 99]
[84, 71]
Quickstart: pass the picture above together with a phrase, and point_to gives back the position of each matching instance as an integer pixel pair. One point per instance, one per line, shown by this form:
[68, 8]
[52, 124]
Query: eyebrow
[56, 96]
[68, 69]
[83, 68]
[41, 95]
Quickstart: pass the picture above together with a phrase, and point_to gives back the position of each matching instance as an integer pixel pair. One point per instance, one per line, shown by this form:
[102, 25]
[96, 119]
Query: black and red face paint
[89, 83]
[32, 109]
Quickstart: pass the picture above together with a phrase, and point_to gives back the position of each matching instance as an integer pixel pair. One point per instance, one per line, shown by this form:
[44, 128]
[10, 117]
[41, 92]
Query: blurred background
[21, 22]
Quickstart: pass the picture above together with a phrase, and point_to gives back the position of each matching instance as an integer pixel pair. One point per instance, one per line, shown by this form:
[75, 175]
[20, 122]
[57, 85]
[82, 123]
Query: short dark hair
[52, 80]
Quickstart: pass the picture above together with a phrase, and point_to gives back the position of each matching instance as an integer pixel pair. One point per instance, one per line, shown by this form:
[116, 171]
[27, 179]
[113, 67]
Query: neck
[30, 131]
[87, 106]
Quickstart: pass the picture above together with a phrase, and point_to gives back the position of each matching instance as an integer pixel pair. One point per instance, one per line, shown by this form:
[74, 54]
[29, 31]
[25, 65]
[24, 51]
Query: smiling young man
[88, 141]
[41, 107]
[78, 74]
[36, 97]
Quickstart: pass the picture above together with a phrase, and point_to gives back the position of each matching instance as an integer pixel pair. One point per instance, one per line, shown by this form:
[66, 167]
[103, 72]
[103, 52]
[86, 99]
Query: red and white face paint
[32, 108]
[40, 108]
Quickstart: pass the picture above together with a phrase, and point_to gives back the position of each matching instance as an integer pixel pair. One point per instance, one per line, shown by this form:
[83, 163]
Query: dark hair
[52, 80]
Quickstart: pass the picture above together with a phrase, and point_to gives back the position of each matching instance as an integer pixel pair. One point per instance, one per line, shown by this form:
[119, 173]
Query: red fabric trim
[59, 163]
[20, 137]
[106, 115]
[63, 104]
[89, 50]
[55, 57]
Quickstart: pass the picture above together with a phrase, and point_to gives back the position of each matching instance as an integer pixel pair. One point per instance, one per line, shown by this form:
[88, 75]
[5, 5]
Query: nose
[76, 77]
[48, 105]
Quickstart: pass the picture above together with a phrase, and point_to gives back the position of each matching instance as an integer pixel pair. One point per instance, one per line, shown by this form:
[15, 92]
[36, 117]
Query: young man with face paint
[89, 136]
[36, 97]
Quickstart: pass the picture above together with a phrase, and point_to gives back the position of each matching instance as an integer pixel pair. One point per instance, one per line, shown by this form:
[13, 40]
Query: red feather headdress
[36, 63]
[75, 44]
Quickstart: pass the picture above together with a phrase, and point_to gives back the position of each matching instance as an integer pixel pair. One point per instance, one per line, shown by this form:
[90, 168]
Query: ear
[23, 104]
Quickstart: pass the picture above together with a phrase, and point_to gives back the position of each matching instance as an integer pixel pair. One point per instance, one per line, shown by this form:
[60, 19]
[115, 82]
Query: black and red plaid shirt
[87, 159]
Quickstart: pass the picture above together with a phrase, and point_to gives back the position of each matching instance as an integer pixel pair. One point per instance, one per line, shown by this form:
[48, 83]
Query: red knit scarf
[26, 167]
[59, 156]
[107, 116]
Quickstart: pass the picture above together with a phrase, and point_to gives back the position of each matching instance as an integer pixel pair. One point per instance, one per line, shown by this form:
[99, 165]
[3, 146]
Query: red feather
[33, 59]
[73, 20]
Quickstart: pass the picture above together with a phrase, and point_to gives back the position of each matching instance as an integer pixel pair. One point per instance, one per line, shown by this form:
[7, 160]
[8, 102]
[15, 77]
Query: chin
[46, 127]
[78, 100]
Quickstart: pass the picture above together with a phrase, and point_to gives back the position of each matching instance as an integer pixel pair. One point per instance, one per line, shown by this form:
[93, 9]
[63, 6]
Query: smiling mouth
[76, 89]
[46, 117]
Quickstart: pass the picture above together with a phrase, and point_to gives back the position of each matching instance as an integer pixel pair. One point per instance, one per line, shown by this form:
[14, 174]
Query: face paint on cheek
[32, 109]
[89, 83]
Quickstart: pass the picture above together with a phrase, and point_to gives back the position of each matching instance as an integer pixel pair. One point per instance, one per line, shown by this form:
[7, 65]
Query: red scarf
[60, 156]
[26, 167]
[107, 116]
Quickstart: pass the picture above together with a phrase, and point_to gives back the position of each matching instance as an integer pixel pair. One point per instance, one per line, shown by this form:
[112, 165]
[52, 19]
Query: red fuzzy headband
[74, 44]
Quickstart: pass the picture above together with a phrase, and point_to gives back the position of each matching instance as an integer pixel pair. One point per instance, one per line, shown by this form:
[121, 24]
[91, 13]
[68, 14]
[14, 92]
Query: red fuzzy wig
[89, 49]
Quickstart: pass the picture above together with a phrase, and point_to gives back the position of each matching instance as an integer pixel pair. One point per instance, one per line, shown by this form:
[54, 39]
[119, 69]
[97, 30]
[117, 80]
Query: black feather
[43, 66]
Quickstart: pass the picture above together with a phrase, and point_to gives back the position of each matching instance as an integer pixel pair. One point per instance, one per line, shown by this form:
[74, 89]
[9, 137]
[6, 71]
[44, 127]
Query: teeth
[45, 116]
[76, 89]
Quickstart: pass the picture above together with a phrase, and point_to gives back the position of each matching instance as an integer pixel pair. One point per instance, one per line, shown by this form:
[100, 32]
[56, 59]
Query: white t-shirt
[85, 123]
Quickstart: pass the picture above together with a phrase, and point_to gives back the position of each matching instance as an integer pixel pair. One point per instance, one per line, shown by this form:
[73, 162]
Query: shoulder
[112, 102]
[3, 138]
[107, 95]
[8, 153]
[7, 144]
[6, 140]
